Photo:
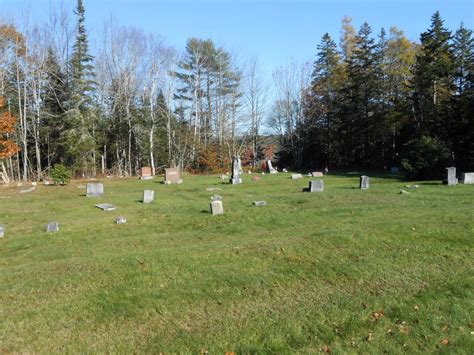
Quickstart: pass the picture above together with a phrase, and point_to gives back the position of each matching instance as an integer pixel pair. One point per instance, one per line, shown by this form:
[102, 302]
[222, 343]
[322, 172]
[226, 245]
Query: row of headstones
[451, 179]
[237, 170]
[318, 185]
[172, 175]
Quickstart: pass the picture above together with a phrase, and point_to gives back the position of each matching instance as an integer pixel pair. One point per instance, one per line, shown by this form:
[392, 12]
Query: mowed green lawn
[342, 271]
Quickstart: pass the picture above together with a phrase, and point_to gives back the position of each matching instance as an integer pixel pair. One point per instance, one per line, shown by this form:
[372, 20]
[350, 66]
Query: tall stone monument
[270, 168]
[236, 170]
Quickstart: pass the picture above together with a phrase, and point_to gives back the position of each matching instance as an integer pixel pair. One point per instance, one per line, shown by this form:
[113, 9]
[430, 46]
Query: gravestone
[217, 208]
[236, 169]
[317, 174]
[52, 227]
[468, 178]
[120, 220]
[145, 173]
[31, 189]
[296, 176]
[148, 196]
[451, 176]
[270, 168]
[106, 207]
[94, 189]
[2, 230]
[364, 182]
[394, 170]
[172, 176]
[316, 186]
[259, 203]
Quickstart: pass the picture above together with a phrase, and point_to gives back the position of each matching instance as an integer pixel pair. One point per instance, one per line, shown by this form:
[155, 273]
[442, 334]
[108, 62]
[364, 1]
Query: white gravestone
[94, 189]
[364, 182]
[52, 227]
[468, 178]
[316, 186]
[217, 208]
[148, 196]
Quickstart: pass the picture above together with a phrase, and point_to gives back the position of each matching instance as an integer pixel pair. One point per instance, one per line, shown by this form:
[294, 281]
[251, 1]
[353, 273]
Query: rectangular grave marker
[451, 176]
[106, 207]
[317, 174]
[364, 182]
[120, 220]
[145, 173]
[172, 176]
[296, 176]
[217, 208]
[52, 227]
[94, 189]
[259, 203]
[316, 186]
[468, 178]
[148, 196]
[236, 170]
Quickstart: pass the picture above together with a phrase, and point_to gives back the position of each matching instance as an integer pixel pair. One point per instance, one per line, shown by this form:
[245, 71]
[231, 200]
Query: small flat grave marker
[52, 227]
[296, 176]
[316, 186]
[259, 203]
[106, 207]
[317, 174]
[31, 189]
[148, 196]
[94, 189]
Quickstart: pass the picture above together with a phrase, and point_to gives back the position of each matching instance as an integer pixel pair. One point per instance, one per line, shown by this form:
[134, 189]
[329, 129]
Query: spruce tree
[80, 114]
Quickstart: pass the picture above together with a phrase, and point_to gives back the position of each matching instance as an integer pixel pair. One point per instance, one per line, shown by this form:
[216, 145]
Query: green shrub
[425, 158]
[60, 174]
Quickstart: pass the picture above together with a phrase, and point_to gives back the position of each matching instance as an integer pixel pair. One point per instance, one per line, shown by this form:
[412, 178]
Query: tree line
[367, 103]
[382, 101]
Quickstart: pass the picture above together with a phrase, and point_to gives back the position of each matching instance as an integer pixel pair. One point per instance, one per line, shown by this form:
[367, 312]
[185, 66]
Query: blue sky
[275, 31]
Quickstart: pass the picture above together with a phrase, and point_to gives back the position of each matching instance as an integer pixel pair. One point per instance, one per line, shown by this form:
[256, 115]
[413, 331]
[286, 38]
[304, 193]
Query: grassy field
[345, 271]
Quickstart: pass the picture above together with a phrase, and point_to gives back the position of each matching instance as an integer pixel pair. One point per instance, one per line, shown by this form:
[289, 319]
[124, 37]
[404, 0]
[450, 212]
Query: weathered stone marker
[145, 173]
[259, 203]
[148, 196]
[217, 208]
[316, 186]
[468, 178]
[172, 176]
[317, 174]
[270, 168]
[296, 176]
[94, 189]
[52, 227]
[236, 169]
[2, 230]
[120, 220]
[451, 176]
[364, 182]
[106, 207]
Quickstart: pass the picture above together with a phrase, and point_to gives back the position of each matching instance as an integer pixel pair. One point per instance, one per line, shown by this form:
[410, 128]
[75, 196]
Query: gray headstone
[364, 182]
[120, 220]
[259, 203]
[451, 176]
[148, 196]
[316, 186]
[217, 208]
[2, 230]
[296, 176]
[468, 178]
[236, 170]
[106, 207]
[52, 227]
[94, 189]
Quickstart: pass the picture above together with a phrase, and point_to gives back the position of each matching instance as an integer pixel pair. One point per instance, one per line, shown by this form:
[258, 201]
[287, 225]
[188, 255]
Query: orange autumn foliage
[7, 126]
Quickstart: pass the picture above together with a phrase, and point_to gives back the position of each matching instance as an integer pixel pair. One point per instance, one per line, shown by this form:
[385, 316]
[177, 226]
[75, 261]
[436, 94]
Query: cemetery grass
[346, 271]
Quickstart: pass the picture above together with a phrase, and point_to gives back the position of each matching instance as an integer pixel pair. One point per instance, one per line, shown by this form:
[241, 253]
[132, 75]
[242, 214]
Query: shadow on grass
[205, 211]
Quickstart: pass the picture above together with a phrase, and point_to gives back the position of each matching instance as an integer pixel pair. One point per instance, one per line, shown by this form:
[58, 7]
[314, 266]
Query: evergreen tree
[80, 114]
